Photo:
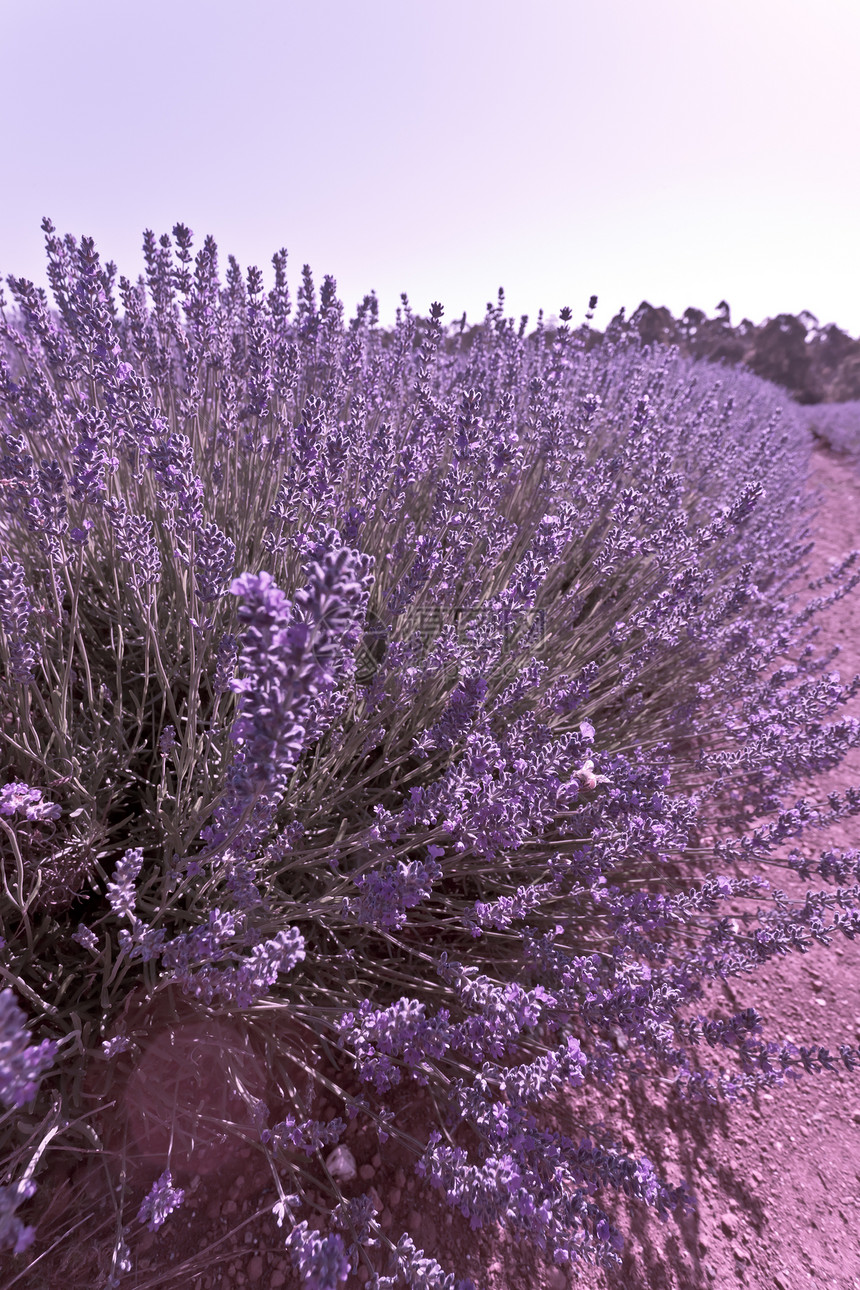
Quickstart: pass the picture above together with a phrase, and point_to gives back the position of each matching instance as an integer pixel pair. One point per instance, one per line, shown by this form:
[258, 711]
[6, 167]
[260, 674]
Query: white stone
[341, 1164]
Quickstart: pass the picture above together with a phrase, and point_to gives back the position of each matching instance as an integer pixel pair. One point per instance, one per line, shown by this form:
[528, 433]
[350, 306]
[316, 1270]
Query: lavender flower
[161, 1200]
[21, 1065]
[309, 1136]
[213, 563]
[205, 944]
[13, 1233]
[135, 543]
[225, 664]
[321, 1262]
[15, 611]
[47, 509]
[86, 936]
[94, 462]
[118, 1044]
[400, 1030]
[288, 657]
[246, 984]
[15, 608]
[120, 889]
[422, 1273]
[28, 802]
[386, 896]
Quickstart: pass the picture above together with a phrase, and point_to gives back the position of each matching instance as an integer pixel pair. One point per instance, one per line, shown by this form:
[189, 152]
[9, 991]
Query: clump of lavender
[835, 424]
[385, 682]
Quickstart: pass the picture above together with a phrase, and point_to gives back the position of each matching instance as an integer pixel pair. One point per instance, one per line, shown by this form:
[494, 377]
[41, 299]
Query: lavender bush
[398, 687]
[837, 424]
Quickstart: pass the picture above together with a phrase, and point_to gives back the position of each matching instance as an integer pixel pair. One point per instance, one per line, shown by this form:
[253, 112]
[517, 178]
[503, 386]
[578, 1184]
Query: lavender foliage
[413, 685]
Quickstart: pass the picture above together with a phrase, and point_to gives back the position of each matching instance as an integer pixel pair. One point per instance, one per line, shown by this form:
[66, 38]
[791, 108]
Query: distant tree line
[814, 364]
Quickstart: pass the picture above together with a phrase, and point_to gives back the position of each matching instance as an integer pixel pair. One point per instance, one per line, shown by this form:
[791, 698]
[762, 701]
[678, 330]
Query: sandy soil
[777, 1180]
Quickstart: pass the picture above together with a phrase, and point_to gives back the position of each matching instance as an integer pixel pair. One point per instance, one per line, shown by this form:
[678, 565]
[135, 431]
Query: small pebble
[367, 1172]
[341, 1164]
[727, 1223]
[255, 1268]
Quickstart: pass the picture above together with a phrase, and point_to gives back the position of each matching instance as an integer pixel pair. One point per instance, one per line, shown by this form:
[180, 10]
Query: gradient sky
[678, 151]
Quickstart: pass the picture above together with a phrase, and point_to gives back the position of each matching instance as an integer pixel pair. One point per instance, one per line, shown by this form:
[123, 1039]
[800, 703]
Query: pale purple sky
[679, 151]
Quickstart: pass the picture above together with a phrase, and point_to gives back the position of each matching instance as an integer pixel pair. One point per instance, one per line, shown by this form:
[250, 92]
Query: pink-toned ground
[777, 1179]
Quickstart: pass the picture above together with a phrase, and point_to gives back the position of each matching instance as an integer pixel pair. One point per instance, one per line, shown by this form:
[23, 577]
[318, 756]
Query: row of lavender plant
[345, 664]
[837, 425]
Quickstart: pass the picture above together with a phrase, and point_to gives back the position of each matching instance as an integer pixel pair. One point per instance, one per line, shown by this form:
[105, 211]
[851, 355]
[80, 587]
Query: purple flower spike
[213, 563]
[288, 656]
[13, 1233]
[321, 1262]
[161, 1200]
[27, 802]
[120, 890]
[21, 1066]
[15, 610]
